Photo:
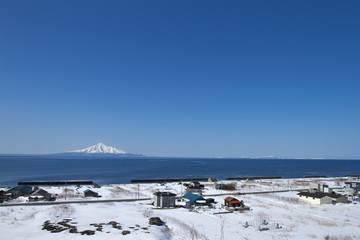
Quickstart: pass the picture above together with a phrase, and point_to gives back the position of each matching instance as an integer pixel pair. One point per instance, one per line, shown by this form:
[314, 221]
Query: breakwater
[54, 183]
[167, 180]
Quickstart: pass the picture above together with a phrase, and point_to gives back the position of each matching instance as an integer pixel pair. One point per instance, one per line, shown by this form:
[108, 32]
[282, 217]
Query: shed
[39, 195]
[89, 193]
[164, 199]
[338, 198]
[233, 202]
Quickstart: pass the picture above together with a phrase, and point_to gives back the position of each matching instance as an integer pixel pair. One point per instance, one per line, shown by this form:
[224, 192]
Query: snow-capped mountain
[100, 148]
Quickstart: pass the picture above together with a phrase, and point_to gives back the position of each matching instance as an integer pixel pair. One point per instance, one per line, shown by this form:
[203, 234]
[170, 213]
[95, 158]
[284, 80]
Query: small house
[89, 193]
[212, 180]
[39, 195]
[194, 199]
[164, 200]
[233, 202]
[194, 184]
[194, 187]
[18, 191]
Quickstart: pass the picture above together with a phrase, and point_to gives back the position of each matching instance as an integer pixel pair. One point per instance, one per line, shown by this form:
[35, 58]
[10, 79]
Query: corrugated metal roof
[192, 197]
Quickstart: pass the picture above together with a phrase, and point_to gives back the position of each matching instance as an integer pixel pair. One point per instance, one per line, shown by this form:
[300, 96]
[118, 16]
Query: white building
[321, 198]
[352, 186]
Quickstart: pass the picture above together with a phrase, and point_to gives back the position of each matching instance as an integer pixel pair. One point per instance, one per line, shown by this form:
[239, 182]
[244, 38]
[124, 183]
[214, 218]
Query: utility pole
[138, 191]
[260, 185]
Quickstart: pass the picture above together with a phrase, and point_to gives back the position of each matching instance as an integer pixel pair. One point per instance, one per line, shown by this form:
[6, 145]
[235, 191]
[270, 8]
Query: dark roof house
[18, 191]
[89, 193]
[319, 194]
[39, 195]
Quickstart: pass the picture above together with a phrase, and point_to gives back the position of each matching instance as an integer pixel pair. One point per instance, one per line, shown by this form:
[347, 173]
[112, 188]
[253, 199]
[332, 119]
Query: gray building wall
[164, 201]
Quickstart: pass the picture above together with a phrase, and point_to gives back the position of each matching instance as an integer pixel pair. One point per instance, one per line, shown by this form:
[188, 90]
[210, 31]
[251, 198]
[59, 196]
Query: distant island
[101, 149]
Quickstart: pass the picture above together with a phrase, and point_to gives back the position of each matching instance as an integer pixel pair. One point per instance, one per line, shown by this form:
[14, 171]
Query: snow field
[280, 213]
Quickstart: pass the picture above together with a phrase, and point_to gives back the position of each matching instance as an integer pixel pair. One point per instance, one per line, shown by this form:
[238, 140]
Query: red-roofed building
[233, 202]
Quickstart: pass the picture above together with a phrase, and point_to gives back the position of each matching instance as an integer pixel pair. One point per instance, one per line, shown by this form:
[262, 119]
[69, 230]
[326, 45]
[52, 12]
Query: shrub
[229, 186]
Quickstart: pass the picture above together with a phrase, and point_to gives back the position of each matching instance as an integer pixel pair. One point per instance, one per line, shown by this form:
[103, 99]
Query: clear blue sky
[181, 78]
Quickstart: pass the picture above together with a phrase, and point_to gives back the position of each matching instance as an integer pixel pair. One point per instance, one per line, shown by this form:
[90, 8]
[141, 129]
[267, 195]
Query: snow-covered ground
[280, 213]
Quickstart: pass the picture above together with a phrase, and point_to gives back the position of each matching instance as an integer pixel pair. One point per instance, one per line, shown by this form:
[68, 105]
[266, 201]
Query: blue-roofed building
[194, 199]
[18, 191]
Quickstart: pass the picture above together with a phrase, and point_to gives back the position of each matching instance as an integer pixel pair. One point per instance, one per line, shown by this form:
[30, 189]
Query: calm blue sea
[108, 170]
